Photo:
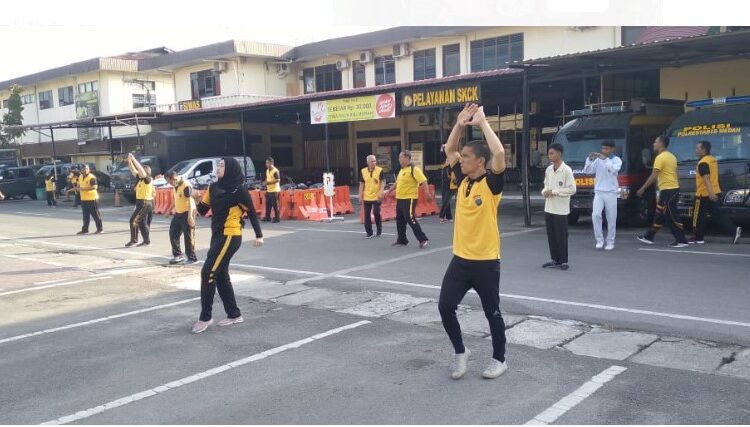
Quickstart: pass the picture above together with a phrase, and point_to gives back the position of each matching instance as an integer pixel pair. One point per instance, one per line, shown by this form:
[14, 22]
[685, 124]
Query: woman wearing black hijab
[228, 201]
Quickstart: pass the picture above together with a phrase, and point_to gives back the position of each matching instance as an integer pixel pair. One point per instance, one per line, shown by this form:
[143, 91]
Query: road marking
[333, 231]
[94, 321]
[570, 401]
[573, 303]
[282, 270]
[52, 263]
[38, 288]
[367, 266]
[32, 213]
[694, 252]
[199, 376]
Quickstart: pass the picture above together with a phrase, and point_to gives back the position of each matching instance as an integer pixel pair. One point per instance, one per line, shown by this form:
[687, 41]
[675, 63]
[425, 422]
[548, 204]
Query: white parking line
[32, 213]
[199, 376]
[94, 321]
[572, 303]
[35, 260]
[38, 288]
[694, 252]
[570, 401]
[333, 231]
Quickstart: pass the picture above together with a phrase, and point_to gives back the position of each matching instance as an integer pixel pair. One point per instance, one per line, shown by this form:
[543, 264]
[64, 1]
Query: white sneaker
[609, 247]
[599, 245]
[201, 326]
[231, 321]
[495, 369]
[460, 364]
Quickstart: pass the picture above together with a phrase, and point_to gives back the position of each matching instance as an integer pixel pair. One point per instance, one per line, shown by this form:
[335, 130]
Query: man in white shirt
[559, 185]
[605, 166]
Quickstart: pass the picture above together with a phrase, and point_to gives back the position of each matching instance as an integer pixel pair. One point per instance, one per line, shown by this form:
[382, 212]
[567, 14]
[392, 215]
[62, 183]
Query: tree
[12, 117]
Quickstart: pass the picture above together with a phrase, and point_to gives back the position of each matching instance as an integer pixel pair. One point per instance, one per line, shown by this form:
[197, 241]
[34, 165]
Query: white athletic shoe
[599, 245]
[201, 326]
[231, 321]
[460, 364]
[609, 247]
[495, 369]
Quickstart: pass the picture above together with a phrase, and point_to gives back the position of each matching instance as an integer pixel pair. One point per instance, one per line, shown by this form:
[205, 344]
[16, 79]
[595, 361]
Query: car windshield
[578, 144]
[182, 167]
[727, 143]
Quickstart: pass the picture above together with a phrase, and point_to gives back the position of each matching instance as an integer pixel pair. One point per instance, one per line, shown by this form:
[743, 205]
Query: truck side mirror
[646, 157]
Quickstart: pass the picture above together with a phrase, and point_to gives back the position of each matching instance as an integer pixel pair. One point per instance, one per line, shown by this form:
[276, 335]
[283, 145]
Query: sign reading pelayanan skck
[440, 97]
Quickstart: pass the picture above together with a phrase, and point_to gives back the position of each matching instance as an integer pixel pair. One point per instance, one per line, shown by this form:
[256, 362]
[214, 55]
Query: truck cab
[632, 126]
[725, 123]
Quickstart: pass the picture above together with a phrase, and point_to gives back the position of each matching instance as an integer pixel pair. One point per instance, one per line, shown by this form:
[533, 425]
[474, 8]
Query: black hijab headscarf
[233, 176]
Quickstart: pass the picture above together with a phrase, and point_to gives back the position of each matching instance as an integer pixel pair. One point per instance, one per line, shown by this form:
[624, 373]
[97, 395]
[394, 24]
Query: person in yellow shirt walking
[448, 190]
[73, 178]
[707, 192]
[144, 203]
[50, 186]
[371, 185]
[273, 189]
[480, 170]
[87, 185]
[409, 179]
[665, 175]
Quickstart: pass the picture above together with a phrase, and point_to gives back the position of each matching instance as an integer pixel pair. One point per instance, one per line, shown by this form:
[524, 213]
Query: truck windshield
[182, 167]
[730, 143]
[577, 145]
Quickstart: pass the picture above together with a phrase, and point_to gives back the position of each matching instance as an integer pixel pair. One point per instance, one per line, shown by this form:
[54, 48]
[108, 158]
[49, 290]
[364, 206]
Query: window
[45, 100]
[358, 70]
[496, 53]
[5, 103]
[424, 64]
[327, 78]
[451, 60]
[142, 85]
[88, 87]
[385, 70]
[140, 101]
[322, 79]
[204, 83]
[28, 99]
[65, 96]
[204, 169]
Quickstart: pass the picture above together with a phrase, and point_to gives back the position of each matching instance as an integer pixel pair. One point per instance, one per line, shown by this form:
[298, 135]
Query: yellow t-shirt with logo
[371, 180]
[144, 189]
[408, 181]
[182, 197]
[476, 236]
[49, 184]
[666, 163]
[711, 165]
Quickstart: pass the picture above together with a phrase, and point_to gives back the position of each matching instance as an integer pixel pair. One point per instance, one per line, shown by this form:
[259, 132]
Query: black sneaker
[369, 236]
[399, 244]
[550, 264]
[696, 241]
[423, 244]
[645, 240]
[275, 220]
[678, 245]
[143, 244]
[380, 234]
[191, 261]
[737, 235]
[98, 231]
[130, 244]
[176, 260]
[266, 220]
[564, 266]
[82, 232]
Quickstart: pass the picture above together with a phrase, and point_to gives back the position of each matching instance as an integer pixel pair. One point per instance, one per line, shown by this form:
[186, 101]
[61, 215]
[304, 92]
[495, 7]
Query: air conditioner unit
[400, 50]
[342, 64]
[220, 67]
[426, 119]
[365, 57]
[282, 69]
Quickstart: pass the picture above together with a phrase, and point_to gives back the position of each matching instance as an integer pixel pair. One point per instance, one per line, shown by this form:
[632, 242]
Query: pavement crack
[727, 360]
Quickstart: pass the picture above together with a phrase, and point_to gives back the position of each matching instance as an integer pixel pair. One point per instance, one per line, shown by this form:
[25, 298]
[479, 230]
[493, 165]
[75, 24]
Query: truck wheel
[573, 218]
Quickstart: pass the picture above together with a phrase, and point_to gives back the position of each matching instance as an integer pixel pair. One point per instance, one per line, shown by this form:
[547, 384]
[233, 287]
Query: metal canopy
[633, 58]
[96, 122]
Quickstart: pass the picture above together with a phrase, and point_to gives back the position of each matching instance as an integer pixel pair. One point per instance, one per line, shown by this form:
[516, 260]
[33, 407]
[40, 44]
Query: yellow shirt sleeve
[206, 199]
[419, 176]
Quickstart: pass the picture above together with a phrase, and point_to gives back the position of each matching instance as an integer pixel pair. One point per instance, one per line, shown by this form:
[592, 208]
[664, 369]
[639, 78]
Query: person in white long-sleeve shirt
[604, 166]
[559, 185]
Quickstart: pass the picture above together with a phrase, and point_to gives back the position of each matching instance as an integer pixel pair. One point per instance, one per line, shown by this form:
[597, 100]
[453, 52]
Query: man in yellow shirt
[50, 186]
[371, 185]
[707, 192]
[449, 187]
[480, 170]
[183, 221]
[664, 173]
[273, 189]
[87, 185]
[409, 179]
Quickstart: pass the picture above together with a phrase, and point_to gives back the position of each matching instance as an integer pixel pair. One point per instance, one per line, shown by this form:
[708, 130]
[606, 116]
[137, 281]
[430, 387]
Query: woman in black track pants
[228, 200]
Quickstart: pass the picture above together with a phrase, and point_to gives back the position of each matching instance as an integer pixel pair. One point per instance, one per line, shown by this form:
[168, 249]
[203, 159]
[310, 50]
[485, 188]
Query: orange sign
[585, 182]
